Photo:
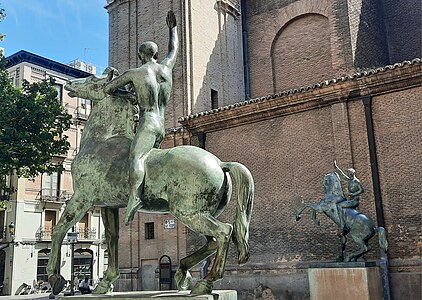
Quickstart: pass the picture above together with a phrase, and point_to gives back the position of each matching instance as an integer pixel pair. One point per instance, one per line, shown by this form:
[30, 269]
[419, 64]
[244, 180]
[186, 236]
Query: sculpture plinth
[345, 281]
[157, 295]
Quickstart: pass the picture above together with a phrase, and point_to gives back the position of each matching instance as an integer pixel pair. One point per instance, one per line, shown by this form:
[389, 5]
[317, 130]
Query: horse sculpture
[350, 222]
[186, 181]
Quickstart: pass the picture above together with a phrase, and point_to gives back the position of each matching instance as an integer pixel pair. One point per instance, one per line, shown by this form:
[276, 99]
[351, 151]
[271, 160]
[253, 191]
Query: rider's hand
[171, 20]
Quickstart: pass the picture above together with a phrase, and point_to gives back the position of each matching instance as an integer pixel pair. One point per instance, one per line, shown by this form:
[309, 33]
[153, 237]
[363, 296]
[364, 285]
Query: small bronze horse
[186, 181]
[350, 221]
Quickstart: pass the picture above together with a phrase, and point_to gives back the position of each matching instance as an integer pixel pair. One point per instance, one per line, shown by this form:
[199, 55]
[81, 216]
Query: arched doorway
[82, 264]
[43, 256]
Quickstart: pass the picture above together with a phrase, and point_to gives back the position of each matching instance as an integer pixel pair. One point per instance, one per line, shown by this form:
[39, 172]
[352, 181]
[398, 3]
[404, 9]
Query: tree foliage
[2, 16]
[32, 123]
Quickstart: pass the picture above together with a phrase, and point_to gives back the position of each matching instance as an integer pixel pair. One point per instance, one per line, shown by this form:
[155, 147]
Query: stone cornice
[375, 82]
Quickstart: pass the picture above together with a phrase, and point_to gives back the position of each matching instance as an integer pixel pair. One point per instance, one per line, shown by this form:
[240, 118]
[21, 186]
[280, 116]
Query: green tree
[32, 122]
[2, 16]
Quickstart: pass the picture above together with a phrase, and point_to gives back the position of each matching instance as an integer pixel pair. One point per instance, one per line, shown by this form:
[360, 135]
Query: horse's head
[91, 87]
[332, 184]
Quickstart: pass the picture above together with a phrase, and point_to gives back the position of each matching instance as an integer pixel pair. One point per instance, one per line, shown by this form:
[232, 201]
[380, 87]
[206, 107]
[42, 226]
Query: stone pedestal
[156, 295]
[345, 281]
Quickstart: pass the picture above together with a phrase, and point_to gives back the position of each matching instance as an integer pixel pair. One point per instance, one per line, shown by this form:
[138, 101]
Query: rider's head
[351, 172]
[147, 51]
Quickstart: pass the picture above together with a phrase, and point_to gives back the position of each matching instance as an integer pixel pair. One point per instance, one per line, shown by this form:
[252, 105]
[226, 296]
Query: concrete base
[345, 283]
[158, 295]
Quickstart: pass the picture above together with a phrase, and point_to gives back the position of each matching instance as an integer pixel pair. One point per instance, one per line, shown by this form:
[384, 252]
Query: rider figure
[152, 84]
[354, 187]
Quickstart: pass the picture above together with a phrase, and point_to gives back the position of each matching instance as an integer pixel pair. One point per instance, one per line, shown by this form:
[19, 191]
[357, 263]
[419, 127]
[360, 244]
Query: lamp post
[12, 231]
[72, 238]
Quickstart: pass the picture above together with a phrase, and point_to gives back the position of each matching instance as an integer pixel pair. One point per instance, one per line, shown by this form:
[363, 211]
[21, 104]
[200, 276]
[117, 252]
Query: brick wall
[301, 53]
[369, 39]
[313, 55]
[398, 140]
[403, 21]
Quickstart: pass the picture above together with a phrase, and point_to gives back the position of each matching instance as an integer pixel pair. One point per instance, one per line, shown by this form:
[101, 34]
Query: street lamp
[12, 230]
[72, 238]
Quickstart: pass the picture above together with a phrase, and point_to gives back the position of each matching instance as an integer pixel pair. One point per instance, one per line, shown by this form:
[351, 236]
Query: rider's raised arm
[120, 81]
[341, 171]
[170, 59]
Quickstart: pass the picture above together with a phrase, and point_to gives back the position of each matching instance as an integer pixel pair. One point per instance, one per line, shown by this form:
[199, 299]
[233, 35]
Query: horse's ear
[110, 75]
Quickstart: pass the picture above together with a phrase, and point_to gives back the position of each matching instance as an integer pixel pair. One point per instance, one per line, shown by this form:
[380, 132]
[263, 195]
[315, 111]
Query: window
[43, 256]
[105, 260]
[84, 109]
[51, 185]
[214, 99]
[83, 263]
[84, 229]
[50, 220]
[149, 231]
[3, 228]
[59, 89]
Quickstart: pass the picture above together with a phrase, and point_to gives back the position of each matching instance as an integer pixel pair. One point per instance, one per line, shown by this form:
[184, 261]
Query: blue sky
[62, 30]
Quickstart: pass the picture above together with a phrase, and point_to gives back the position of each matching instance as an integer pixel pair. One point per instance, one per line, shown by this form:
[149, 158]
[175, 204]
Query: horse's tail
[245, 194]
[382, 237]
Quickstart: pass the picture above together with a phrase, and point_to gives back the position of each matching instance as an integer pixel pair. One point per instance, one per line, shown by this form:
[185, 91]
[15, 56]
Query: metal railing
[44, 233]
[87, 233]
[82, 113]
[52, 195]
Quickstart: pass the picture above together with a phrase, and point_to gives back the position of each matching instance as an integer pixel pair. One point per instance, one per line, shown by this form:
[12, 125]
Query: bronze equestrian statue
[186, 181]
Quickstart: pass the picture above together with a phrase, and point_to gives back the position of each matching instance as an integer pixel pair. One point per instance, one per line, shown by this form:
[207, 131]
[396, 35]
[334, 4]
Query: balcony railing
[44, 233]
[52, 195]
[81, 113]
[87, 233]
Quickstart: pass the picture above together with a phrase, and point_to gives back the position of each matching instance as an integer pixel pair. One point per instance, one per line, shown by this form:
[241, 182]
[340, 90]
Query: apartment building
[33, 211]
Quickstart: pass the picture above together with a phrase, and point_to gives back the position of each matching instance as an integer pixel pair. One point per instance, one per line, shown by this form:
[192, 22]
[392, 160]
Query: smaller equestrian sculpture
[349, 221]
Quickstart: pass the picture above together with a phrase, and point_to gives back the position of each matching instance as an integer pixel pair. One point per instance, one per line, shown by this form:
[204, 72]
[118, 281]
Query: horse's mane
[332, 184]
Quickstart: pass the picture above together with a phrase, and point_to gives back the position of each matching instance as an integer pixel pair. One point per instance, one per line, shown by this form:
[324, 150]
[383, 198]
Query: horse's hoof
[183, 280]
[102, 289]
[57, 283]
[202, 287]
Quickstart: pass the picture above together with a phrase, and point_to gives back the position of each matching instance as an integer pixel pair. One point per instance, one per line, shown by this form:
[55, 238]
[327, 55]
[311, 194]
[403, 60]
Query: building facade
[323, 80]
[35, 208]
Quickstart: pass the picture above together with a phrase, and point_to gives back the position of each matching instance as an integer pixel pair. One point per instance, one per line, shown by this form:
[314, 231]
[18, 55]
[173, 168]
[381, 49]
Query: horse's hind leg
[73, 212]
[343, 240]
[207, 225]
[183, 277]
[110, 218]
[363, 248]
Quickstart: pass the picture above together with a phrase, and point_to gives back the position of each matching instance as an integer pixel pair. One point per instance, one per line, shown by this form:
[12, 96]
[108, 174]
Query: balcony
[44, 233]
[81, 113]
[85, 233]
[52, 195]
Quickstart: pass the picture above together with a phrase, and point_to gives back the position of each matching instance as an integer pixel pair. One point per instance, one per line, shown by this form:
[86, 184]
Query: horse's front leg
[315, 207]
[298, 212]
[73, 212]
[314, 217]
[110, 218]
